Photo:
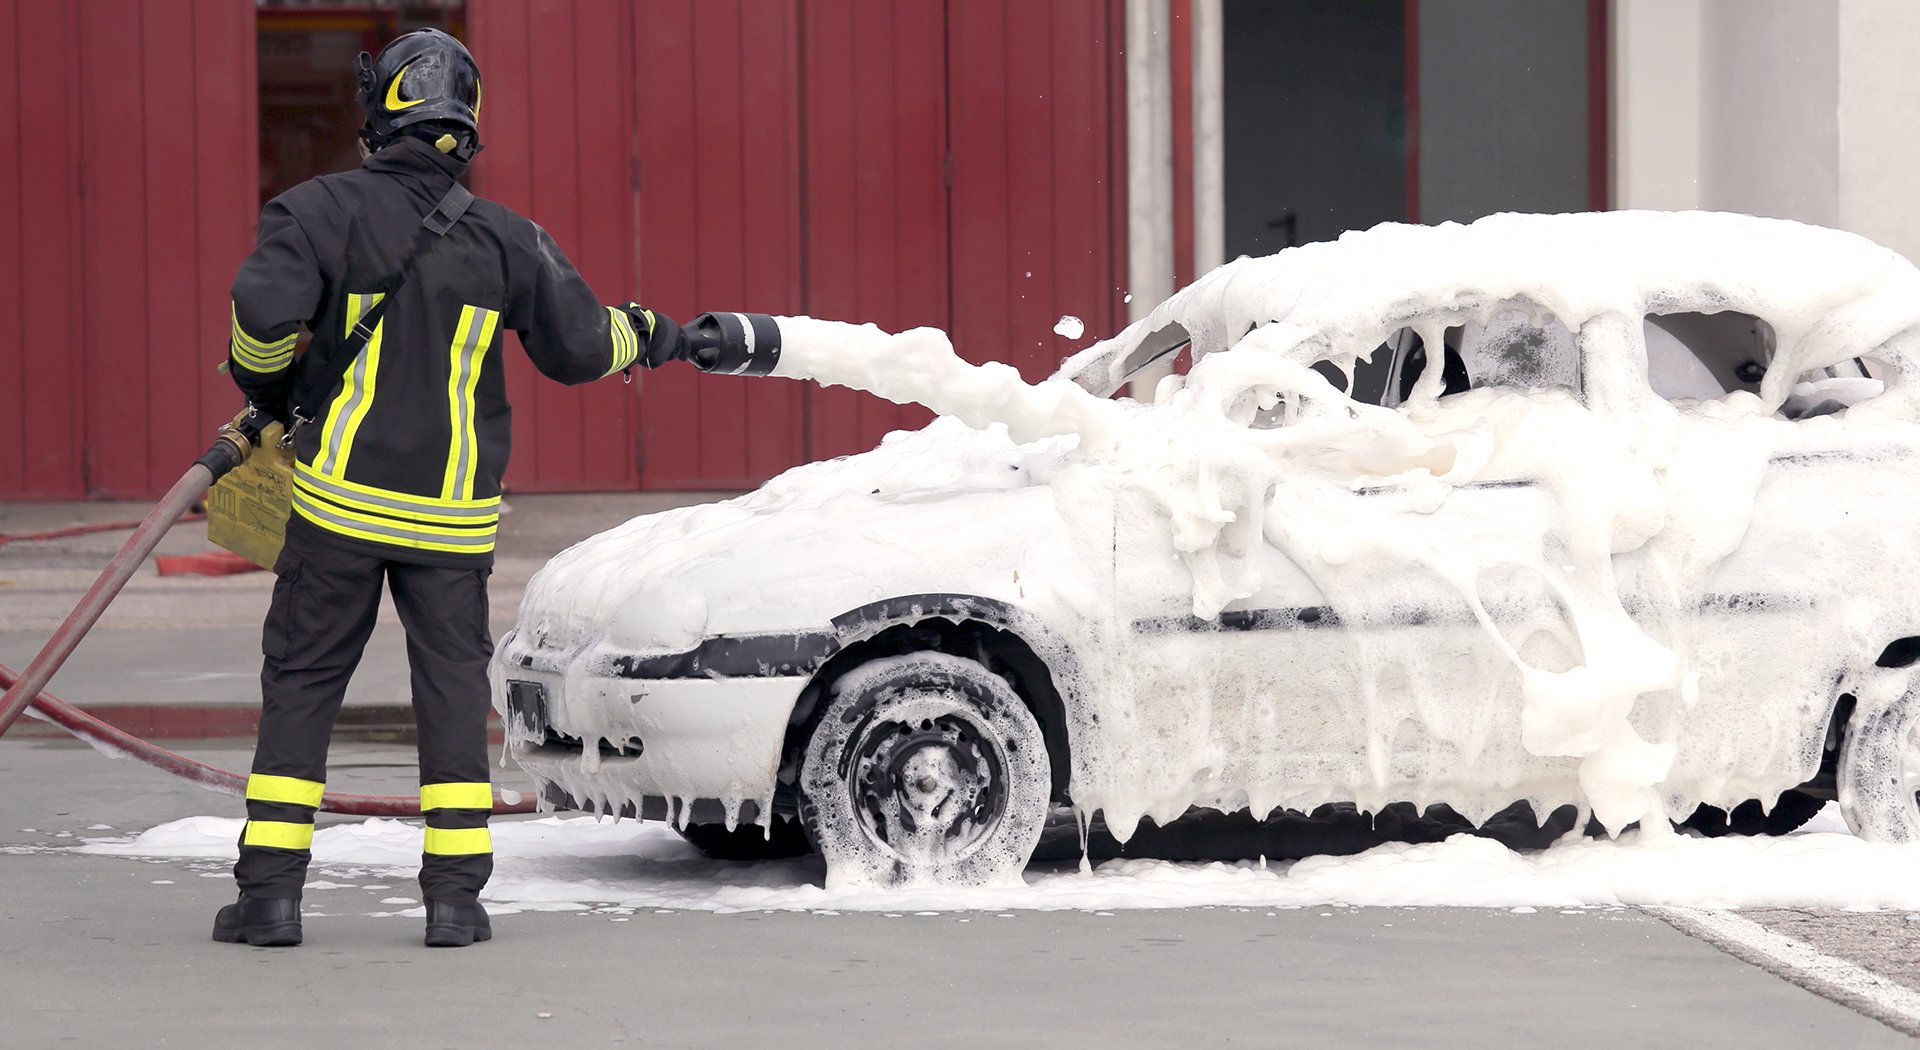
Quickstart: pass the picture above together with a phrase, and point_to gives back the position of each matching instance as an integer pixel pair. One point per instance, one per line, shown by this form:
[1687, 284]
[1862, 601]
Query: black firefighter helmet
[423, 77]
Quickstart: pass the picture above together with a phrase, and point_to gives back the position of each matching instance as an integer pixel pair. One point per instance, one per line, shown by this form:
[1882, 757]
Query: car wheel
[749, 841]
[925, 768]
[1879, 774]
[1788, 813]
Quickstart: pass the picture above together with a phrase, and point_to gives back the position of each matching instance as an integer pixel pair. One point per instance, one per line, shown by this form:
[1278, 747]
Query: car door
[1774, 587]
[1374, 662]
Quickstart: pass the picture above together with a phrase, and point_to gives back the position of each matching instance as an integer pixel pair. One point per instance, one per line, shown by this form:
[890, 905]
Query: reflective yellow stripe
[458, 842]
[258, 355]
[350, 406]
[483, 527]
[394, 508]
[262, 347]
[392, 531]
[460, 509]
[626, 346]
[252, 362]
[456, 796]
[471, 339]
[265, 787]
[279, 834]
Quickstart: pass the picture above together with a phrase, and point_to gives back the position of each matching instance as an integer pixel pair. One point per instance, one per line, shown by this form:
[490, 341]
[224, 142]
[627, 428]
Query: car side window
[1702, 356]
[1511, 349]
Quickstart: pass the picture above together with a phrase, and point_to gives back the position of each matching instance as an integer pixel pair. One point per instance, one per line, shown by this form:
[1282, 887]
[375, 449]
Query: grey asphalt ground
[110, 951]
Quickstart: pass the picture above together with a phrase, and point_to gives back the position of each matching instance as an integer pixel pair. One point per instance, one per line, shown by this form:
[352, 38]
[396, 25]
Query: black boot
[452, 925]
[264, 922]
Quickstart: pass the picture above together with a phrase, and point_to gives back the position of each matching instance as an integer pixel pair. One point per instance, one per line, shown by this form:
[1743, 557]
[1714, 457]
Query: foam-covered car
[1642, 544]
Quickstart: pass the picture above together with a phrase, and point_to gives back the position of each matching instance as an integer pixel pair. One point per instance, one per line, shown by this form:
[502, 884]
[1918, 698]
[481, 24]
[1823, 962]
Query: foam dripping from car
[1644, 495]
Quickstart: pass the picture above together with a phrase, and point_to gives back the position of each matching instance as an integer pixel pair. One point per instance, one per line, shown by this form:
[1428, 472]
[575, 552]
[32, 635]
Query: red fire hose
[24, 689]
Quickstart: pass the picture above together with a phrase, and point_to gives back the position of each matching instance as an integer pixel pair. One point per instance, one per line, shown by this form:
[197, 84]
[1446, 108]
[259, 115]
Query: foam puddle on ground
[579, 863]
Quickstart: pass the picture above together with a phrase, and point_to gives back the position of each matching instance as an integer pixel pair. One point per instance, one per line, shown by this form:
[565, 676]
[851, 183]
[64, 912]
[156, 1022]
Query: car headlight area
[602, 732]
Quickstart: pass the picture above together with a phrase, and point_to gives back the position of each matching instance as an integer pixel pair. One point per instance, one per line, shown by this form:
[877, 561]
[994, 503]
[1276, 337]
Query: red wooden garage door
[901, 162]
[129, 173]
[41, 373]
[960, 175]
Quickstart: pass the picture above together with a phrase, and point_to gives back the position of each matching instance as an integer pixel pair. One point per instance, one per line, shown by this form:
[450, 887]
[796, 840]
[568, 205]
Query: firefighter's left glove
[665, 341]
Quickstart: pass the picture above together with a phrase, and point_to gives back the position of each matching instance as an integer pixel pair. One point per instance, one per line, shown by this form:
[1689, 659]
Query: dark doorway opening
[1316, 105]
[308, 116]
[1342, 116]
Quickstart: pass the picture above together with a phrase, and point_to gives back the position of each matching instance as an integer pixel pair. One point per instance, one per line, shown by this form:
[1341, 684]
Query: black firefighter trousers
[324, 605]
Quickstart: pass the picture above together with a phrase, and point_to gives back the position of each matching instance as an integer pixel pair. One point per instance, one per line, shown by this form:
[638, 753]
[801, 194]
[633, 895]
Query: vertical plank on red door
[773, 429]
[1113, 89]
[667, 233]
[226, 189]
[1079, 217]
[877, 198]
[554, 145]
[44, 261]
[719, 144]
[118, 336]
[1029, 163]
[878, 168]
[170, 319]
[14, 372]
[603, 228]
[558, 123]
[833, 201]
[920, 177]
[977, 77]
[1032, 110]
[497, 34]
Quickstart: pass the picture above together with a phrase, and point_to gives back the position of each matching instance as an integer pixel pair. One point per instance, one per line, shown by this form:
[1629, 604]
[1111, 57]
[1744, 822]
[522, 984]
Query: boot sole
[285, 935]
[456, 936]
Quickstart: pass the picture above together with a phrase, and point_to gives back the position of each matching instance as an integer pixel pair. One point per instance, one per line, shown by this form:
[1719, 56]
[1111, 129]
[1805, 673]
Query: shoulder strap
[321, 381]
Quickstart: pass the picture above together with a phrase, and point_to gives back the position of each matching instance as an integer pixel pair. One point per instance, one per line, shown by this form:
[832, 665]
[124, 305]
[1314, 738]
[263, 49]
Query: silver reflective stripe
[356, 379]
[479, 324]
[337, 419]
[490, 509]
[415, 536]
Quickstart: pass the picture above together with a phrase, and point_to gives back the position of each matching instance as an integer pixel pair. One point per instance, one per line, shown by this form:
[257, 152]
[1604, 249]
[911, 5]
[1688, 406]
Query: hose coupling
[234, 443]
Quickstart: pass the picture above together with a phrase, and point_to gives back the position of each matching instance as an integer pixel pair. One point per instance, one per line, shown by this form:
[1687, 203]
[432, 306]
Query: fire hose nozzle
[734, 344]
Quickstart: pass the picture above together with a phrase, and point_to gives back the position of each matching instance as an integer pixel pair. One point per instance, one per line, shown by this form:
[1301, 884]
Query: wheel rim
[927, 789]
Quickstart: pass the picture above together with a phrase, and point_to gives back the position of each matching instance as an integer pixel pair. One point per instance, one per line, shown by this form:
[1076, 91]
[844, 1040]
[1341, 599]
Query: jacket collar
[412, 156]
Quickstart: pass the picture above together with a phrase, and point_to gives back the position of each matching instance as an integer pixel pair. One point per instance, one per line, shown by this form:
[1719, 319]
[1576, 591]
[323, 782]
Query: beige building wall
[1879, 126]
[1797, 109]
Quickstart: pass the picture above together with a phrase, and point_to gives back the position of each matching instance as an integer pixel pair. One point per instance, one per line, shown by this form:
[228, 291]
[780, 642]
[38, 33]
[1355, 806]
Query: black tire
[749, 841]
[1791, 811]
[925, 768]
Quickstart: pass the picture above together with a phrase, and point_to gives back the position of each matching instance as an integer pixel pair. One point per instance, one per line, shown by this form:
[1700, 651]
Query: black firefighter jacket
[405, 458]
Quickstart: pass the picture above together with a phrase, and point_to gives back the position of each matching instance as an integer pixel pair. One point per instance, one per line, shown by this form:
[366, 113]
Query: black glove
[665, 341]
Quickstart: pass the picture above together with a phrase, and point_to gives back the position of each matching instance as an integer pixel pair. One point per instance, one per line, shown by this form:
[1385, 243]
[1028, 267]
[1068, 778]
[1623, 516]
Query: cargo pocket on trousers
[275, 633]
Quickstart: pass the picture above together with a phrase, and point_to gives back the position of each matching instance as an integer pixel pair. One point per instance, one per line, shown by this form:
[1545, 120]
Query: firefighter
[400, 430]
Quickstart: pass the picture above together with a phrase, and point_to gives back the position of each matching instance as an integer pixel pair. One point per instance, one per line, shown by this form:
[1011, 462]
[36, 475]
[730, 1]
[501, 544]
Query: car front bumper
[693, 748]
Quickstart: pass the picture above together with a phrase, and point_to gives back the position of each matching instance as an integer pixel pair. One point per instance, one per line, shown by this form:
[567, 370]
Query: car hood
[814, 542]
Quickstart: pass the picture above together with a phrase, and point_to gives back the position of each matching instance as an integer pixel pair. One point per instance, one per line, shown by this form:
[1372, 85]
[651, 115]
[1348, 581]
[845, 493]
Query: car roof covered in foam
[1829, 295]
